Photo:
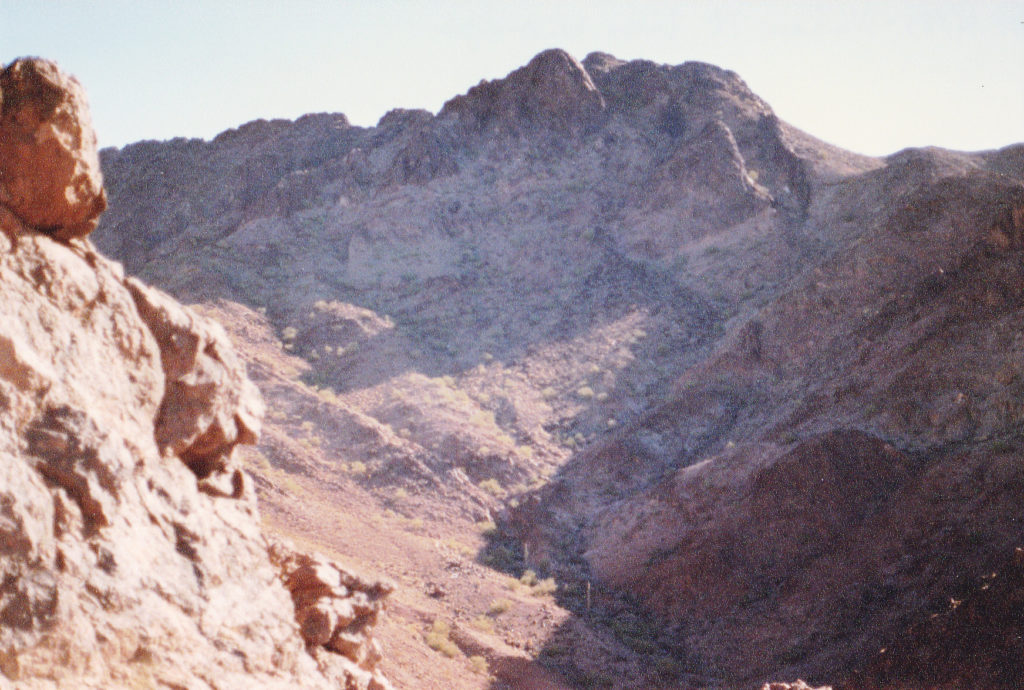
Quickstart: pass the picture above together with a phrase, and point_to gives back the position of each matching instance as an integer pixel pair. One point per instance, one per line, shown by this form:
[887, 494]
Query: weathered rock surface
[130, 546]
[49, 171]
[336, 609]
[552, 92]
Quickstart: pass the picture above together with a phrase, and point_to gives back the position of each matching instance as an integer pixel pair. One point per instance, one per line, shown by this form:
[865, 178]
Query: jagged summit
[553, 90]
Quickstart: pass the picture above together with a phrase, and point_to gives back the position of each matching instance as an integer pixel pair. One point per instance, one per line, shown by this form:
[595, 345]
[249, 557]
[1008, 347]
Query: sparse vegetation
[498, 607]
[668, 668]
[328, 396]
[501, 556]
[483, 623]
[636, 632]
[290, 485]
[544, 587]
[493, 487]
[437, 639]
[1003, 447]
[486, 527]
[592, 679]
[478, 664]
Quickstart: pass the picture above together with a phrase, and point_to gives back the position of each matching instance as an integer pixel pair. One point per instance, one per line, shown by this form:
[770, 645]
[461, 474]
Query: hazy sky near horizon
[870, 75]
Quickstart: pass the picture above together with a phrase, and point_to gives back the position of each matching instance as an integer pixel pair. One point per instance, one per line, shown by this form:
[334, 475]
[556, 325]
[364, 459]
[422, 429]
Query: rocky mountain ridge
[750, 399]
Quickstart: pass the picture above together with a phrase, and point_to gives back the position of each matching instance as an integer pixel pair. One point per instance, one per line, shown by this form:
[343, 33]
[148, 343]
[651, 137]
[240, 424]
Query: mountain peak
[552, 91]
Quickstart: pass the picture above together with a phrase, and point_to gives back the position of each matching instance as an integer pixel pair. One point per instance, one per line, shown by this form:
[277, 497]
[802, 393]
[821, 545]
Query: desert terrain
[603, 376]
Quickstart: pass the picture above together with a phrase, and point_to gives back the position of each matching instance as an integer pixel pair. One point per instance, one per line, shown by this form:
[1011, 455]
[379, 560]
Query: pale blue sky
[871, 76]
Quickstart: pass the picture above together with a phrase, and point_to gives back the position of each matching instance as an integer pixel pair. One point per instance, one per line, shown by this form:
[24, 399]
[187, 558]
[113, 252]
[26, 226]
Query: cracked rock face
[336, 610]
[130, 545]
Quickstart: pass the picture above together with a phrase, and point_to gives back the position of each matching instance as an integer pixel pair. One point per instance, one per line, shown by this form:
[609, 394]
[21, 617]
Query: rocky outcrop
[336, 610]
[209, 405]
[49, 172]
[552, 92]
[130, 545]
[704, 187]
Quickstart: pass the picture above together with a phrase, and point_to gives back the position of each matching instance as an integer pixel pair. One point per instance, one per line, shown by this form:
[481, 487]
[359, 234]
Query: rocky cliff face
[130, 544]
[751, 399]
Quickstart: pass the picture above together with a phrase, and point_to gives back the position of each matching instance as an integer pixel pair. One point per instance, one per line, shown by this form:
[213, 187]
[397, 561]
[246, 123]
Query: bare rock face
[130, 545]
[703, 187]
[49, 171]
[336, 610]
[211, 405]
[553, 90]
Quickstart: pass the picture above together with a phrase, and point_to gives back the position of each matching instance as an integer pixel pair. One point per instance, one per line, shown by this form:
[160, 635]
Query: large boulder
[49, 171]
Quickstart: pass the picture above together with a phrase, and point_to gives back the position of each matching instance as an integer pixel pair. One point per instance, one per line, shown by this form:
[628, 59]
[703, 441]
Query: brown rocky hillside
[750, 401]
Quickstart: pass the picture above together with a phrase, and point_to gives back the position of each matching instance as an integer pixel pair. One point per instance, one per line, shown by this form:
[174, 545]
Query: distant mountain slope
[726, 378]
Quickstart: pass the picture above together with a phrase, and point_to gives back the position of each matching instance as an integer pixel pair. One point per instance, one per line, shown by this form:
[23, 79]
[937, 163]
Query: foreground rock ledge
[130, 547]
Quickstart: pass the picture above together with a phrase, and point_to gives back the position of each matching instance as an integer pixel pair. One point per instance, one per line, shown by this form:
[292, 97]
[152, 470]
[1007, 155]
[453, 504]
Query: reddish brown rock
[210, 404]
[49, 171]
[336, 609]
[130, 546]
